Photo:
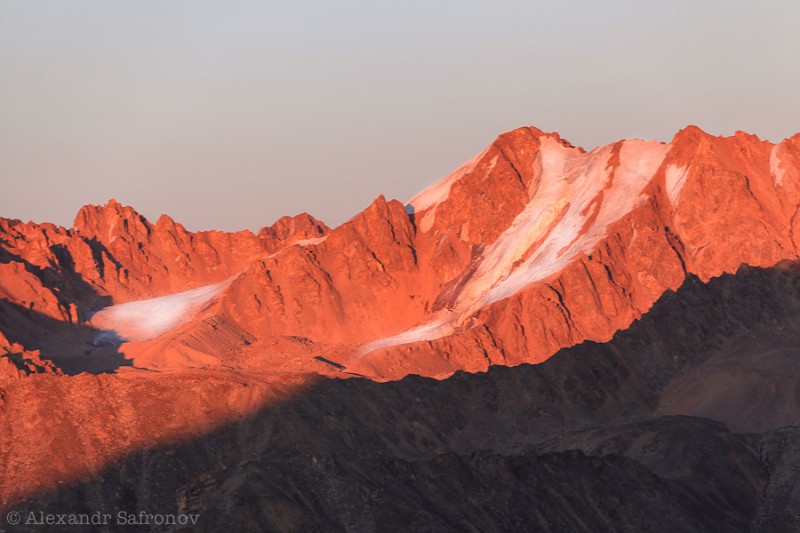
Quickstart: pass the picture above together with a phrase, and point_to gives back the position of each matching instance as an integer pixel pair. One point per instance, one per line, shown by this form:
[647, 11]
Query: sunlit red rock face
[112, 251]
[571, 246]
[532, 246]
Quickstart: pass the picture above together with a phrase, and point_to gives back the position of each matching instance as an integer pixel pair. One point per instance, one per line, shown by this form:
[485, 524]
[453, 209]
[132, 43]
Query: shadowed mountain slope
[576, 443]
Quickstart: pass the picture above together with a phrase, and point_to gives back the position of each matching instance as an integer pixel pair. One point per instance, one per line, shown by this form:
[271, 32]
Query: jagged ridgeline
[128, 343]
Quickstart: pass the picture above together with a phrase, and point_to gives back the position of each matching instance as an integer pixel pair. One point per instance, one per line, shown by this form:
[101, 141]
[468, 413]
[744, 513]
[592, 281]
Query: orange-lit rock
[532, 246]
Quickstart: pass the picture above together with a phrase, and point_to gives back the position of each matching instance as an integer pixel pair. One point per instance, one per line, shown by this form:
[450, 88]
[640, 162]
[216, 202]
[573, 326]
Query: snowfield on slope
[574, 199]
[144, 320]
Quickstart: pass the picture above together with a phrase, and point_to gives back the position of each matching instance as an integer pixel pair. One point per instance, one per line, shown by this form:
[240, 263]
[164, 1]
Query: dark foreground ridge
[671, 426]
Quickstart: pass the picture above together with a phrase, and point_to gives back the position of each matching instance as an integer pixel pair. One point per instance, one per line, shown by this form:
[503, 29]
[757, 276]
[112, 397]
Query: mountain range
[547, 339]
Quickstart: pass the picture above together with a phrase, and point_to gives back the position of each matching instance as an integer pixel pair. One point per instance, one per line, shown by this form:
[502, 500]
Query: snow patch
[430, 331]
[310, 242]
[675, 180]
[300, 242]
[573, 200]
[440, 191]
[144, 320]
[426, 223]
[492, 164]
[775, 165]
[111, 232]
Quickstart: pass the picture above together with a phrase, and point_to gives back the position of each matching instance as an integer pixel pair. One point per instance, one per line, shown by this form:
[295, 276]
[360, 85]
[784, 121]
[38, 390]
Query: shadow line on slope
[297, 451]
[68, 346]
[71, 287]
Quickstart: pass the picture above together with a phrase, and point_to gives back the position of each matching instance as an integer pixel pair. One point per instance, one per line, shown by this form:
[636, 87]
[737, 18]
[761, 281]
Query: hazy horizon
[228, 116]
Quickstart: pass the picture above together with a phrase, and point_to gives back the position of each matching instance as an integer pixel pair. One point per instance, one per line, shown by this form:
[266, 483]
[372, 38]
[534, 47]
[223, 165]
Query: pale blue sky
[228, 114]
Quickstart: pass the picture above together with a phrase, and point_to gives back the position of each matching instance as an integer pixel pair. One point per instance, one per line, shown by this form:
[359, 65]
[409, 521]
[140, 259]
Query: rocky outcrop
[302, 229]
[17, 363]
